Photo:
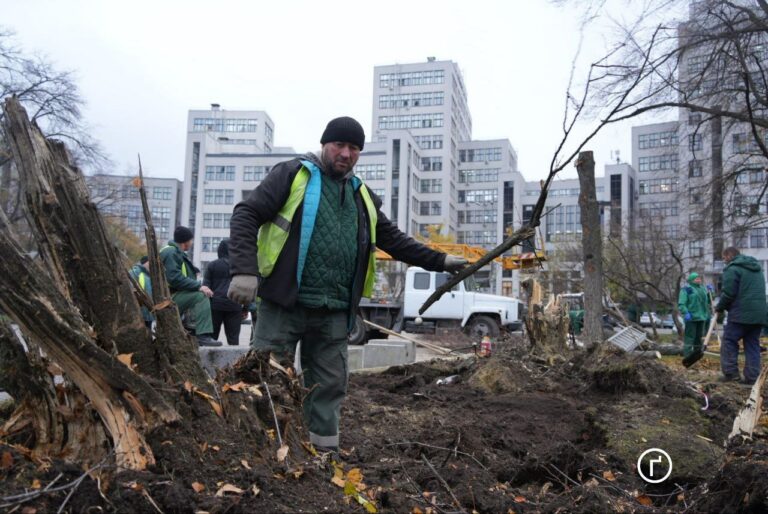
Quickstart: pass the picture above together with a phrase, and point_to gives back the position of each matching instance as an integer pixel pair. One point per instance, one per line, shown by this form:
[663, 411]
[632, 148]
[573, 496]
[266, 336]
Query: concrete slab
[388, 352]
[215, 358]
[355, 357]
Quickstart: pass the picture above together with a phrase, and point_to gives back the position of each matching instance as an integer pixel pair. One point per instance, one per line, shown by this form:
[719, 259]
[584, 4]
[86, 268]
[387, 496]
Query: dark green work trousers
[694, 332]
[197, 304]
[323, 336]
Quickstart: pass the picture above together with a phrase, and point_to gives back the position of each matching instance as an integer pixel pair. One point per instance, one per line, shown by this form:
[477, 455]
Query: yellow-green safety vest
[306, 188]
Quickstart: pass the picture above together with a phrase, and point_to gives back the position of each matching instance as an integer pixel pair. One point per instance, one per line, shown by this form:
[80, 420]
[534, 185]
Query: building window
[254, 173]
[161, 213]
[411, 121]
[757, 238]
[695, 168]
[481, 216]
[696, 248]
[413, 78]
[478, 196]
[744, 142]
[216, 219]
[219, 196]
[695, 142]
[479, 175]
[371, 171]
[211, 244]
[161, 193]
[431, 185]
[480, 155]
[658, 208]
[658, 185]
[431, 164]
[224, 125]
[411, 100]
[219, 173]
[430, 208]
[657, 139]
[433, 142]
[694, 118]
[658, 163]
[129, 192]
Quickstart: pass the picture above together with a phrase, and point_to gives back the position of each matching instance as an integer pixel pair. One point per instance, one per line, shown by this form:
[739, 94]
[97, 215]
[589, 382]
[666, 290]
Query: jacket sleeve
[402, 247]
[173, 274]
[261, 206]
[682, 301]
[730, 289]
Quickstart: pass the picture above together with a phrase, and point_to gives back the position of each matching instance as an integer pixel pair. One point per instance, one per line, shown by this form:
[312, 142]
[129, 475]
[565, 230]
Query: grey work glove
[242, 288]
[454, 264]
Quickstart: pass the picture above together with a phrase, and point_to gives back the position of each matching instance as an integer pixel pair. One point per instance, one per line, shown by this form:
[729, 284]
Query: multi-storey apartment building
[117, 196]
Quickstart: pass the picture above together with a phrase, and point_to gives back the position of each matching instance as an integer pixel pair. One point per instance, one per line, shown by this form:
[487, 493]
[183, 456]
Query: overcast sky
[141, 65]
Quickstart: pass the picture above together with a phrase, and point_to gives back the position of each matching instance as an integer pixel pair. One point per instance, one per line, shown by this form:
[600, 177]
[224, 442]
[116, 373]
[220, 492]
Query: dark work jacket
[743, 294]
[281, 287]
[217, 278]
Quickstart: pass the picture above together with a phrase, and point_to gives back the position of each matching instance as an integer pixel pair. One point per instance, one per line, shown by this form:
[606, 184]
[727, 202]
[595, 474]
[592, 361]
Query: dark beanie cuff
[345, 130]
[182, 235]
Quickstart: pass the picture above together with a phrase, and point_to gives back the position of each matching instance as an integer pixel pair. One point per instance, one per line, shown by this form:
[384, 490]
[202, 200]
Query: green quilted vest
[332, 256]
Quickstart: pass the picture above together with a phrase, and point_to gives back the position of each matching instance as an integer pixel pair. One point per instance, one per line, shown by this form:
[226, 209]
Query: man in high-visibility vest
[305, 239]
[189, 294]
[140, 273]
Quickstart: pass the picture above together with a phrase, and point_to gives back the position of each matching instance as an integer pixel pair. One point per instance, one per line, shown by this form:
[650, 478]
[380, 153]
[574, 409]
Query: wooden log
[72, 239]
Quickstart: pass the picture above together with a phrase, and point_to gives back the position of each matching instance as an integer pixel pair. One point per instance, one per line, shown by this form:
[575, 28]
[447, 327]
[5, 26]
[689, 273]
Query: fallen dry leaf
[162, 305]
[6, 461]
[520, 499]
[298, 473]
[645, 500]
[255, 490]
[355, 477]
[417, 510]
[125, 358]
[255, 391]
[592, 482]
[608, 475]
[188, 387]
[339, 481]
[136, 486]
[36, 484]
[29, 510]
[245, 464]
[198, 487]
[282, 453]
[215, 448]
[271, 433]
[166, 443]
[204, 446]
[234, 387]
[228, 488]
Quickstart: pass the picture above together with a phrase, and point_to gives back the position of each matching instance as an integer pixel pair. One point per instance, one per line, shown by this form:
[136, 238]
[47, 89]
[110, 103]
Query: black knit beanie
[182, 234]
[345, 130]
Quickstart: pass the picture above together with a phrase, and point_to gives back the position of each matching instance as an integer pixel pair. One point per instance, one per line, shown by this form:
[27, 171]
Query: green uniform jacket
[743, 294]
[179, 270]
[693, 298]
[141, 275]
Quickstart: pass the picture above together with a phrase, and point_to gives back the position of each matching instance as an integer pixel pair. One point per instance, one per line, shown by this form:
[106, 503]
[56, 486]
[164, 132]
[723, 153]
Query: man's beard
[328, 166]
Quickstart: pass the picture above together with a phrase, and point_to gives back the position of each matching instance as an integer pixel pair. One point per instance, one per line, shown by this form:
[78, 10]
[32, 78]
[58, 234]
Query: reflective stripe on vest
[143, 281]
[370, 274]
[307, 187]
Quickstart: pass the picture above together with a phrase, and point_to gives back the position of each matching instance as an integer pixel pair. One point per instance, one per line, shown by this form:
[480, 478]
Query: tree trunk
[73, 241]
[592, 246]
[76, 307]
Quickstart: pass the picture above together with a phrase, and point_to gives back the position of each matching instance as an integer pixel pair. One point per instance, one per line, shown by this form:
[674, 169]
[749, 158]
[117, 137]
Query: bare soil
[509, 434]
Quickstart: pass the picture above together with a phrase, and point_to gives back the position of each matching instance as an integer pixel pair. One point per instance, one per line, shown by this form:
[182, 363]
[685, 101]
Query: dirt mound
[506, 434]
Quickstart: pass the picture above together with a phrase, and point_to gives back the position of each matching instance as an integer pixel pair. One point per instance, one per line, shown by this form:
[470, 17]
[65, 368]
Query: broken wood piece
[746, 421]
[425, 344]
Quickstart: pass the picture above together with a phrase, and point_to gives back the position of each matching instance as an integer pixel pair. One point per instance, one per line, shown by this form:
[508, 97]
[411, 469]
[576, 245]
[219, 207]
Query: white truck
[477, 313]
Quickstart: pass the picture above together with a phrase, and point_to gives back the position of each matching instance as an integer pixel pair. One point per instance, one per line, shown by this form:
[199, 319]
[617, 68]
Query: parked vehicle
[647, 319]
[668, 322]
[478, 314]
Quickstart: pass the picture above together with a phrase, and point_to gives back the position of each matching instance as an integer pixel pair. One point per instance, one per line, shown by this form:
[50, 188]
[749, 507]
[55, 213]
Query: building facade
[118, 197]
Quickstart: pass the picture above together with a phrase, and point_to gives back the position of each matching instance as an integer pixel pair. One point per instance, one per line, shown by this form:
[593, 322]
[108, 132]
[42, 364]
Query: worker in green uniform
[140, 273]
[696, 308]
[189, 294]
[305, 239]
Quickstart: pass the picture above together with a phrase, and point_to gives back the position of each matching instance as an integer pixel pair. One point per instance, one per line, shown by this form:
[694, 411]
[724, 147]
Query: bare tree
[54, 104]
